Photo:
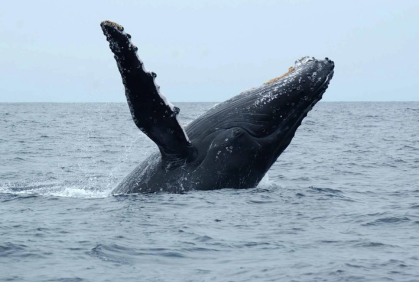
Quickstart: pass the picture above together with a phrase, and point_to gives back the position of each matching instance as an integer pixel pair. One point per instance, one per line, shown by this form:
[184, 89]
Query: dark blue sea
[340, 204]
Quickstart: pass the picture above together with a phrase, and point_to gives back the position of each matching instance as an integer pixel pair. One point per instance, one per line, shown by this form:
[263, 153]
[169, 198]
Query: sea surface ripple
[340, 204]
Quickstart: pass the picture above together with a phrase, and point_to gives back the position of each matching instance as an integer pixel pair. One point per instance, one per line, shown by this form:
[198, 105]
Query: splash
[266, 182]
[56, 189]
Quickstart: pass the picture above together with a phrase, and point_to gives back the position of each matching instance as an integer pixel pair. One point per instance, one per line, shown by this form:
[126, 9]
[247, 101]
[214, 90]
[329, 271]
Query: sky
[209, 51]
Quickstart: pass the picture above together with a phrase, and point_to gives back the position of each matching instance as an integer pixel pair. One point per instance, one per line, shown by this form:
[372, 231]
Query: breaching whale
[233, 144]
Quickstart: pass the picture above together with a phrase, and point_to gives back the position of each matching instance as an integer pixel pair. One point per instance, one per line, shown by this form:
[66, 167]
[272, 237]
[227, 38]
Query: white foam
[265, 182]
[74, 192]
[49, 189]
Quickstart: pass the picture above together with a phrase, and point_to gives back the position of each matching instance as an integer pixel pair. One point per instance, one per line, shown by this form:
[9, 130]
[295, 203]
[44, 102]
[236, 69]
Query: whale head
[280, 104]
[251, 130]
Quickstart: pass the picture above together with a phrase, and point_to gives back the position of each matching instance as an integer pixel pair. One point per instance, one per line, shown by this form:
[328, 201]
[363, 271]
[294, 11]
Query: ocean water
[340, 204]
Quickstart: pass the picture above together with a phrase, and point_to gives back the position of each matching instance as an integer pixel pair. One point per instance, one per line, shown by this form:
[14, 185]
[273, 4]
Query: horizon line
[93, 102]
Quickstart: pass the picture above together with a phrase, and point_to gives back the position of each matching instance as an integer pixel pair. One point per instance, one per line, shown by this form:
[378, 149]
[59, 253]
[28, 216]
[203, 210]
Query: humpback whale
[233, 144]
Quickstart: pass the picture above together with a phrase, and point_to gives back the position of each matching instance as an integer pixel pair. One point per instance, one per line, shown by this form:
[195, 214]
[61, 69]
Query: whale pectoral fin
[150, 110]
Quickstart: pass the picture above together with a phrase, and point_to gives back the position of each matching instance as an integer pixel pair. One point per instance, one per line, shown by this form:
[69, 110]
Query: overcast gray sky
[54, 51]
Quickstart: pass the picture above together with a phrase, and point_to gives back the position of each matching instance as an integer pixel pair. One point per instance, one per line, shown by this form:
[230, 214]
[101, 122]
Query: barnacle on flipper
[114, 24]
[290, 70]
[133, 47]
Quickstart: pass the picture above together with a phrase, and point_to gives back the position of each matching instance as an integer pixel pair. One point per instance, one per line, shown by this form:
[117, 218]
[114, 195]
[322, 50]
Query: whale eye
[237, 132]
